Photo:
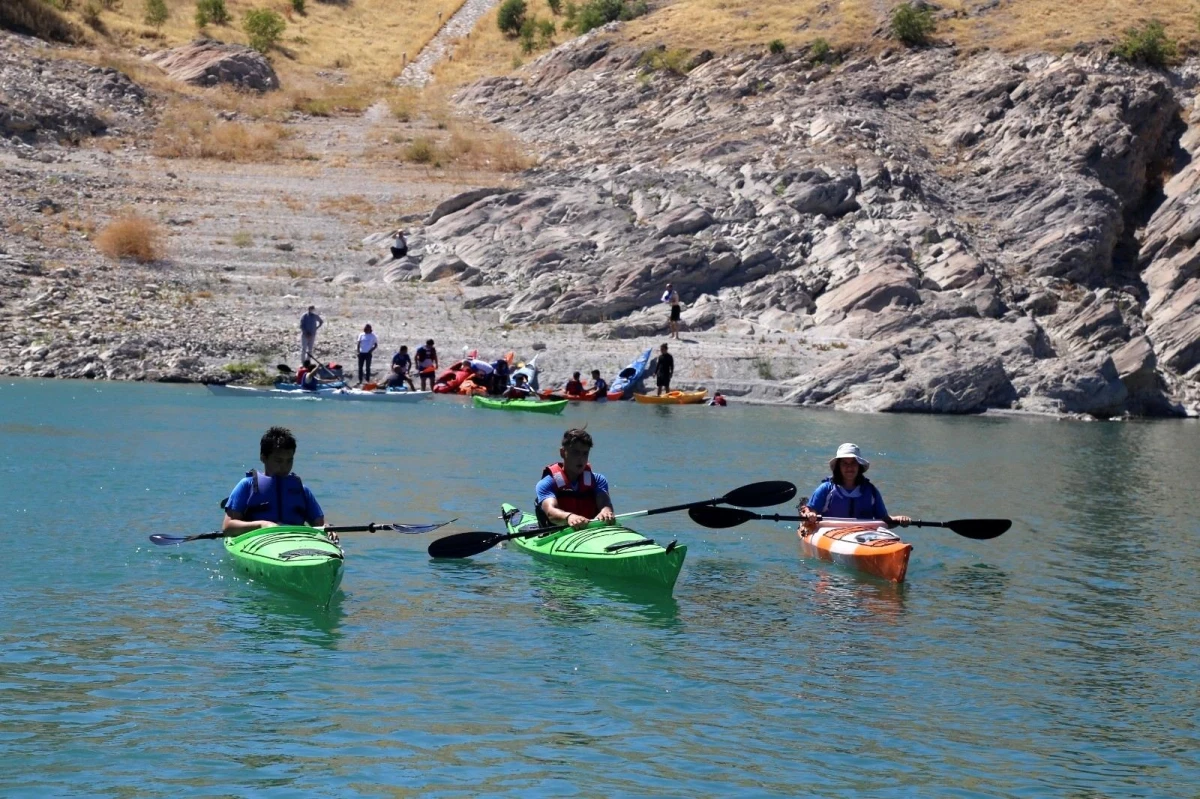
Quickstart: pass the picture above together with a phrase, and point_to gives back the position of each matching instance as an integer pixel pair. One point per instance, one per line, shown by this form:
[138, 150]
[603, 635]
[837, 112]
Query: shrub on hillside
[777, 47]
[528, 32]
[156, 13]
[594, 13]
[264, 27]
[211, 11]
[36, 18]
[555, 7]
[676, 61]
[1147, 45]
[511, 17]
[91, 15]
[912, 25]
[298, 7]
[133, 237]
[820, 51]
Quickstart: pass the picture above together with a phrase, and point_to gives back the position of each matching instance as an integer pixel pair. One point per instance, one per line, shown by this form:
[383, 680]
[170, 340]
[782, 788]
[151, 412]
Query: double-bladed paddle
[755, 495]
[408, 529]
[720, 518]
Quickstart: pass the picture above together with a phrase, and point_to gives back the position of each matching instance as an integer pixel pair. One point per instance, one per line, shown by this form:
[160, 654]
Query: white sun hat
[850, 451]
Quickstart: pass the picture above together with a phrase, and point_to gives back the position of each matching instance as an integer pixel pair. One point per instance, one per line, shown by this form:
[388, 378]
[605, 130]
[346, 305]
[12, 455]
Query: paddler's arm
[557, 515]
[234, 523]
[606, 509]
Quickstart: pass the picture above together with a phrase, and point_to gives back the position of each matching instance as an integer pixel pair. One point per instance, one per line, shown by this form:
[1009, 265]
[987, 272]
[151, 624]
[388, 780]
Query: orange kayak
[864, 545]
[673, 398]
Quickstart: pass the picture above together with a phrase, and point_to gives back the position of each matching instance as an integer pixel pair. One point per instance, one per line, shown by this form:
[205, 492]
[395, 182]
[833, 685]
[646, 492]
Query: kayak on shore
[343, 394]
[300, 560]
[629, 379]
[587, 396]
[531, 406]
[868, 546]
[603, 548]
[673, 398]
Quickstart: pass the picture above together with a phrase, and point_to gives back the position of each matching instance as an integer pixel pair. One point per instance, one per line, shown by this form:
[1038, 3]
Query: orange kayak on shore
[868, 546]
[673, 398]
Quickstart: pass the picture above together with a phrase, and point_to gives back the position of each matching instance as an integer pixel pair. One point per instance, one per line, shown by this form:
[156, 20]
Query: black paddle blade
[283, 368]
[164, 540]
[979, 529]
[761, 495]
[720, 518]
[463, 545]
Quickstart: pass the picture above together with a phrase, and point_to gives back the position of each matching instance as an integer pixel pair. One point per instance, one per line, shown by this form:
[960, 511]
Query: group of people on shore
[312, 373]
[569, 492]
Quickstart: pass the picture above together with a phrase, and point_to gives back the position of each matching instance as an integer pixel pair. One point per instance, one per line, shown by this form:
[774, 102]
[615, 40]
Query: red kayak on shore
[449, 380]
[587, 396]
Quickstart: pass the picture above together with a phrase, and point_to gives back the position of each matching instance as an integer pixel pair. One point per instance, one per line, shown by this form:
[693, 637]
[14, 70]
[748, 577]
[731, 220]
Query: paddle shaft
[631, 515]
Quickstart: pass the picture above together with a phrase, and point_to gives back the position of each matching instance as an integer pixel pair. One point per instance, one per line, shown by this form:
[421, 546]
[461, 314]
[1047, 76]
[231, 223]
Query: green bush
[820, 51]
[595, 13]
[264, 27]
[156, 13]
[528, 31]
[555, 7]
[912, 25]
[298, 7]
[777, 47]
[546, 31]
[1147, 45]
[511, 17]
[676, 61]
[211, 11]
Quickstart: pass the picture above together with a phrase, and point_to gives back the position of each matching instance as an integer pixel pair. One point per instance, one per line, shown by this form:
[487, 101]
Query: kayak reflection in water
[274, 496]
[570, 492]
[847, 493]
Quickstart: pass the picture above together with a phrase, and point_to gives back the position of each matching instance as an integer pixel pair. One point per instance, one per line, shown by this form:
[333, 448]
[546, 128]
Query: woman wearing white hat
[847, 493]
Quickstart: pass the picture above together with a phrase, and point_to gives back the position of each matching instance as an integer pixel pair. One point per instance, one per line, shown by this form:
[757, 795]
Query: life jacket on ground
[274, 499]
[861, 507]
[581, 501]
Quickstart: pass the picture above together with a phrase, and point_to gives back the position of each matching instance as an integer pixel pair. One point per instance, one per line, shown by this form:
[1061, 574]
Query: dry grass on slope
[726, 25]
[364, 39]
[132, 236]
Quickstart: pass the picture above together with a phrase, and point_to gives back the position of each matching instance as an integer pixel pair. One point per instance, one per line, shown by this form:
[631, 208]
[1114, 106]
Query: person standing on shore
[310, 323]
[664, 371]
[427, 363]
[367, 344]
[672, 296]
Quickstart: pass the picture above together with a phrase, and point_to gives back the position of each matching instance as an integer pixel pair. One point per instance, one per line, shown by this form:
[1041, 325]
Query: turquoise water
[1057, 660]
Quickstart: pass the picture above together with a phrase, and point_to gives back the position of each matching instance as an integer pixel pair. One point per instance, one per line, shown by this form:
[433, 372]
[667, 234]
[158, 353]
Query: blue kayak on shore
[628, 379]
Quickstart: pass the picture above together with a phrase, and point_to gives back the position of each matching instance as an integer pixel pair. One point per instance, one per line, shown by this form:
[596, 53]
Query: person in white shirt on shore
[367, 344]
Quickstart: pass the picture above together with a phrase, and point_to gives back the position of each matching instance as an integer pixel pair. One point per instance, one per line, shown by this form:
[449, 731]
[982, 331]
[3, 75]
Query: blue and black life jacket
[864, 506]
[275, 499]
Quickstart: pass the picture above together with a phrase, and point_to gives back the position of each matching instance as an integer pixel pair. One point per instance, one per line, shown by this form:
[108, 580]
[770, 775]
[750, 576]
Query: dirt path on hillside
[419, 71]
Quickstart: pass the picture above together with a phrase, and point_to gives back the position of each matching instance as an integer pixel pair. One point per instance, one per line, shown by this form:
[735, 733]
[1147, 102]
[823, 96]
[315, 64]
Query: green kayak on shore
[532, 406]
[604, 548]
[301, 560]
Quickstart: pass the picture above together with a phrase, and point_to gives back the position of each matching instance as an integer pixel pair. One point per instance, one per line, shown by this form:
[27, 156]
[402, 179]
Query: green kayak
[297, 559]
[533, 406]
[601, 548]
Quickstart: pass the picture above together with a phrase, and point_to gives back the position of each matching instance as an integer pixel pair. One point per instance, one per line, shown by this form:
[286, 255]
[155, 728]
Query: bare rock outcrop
[968, 225]
[47, 99]
[205, 62]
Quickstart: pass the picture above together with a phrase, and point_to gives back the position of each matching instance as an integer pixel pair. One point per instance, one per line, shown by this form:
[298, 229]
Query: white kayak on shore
[344, 394]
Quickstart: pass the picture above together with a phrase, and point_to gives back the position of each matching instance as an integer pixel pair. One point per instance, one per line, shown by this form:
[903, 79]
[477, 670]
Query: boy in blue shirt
[274, 496]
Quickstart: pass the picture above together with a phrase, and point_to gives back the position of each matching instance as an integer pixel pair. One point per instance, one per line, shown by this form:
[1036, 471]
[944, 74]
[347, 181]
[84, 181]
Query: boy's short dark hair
[576, 435]
[276, 438]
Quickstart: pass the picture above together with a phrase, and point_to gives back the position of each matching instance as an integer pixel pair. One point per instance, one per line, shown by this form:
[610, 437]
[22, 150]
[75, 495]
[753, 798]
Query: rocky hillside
[964, 232]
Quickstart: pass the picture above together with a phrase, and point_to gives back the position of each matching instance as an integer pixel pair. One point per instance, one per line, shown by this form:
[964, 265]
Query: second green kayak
[297, 559]
[533, 406]
[601, 548]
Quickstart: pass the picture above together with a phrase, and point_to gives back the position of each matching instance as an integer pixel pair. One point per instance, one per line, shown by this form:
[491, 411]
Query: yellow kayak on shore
[674, 398]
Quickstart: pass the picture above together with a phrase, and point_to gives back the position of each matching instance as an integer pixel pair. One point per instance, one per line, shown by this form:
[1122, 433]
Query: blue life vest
[275, 499]
[864, 506]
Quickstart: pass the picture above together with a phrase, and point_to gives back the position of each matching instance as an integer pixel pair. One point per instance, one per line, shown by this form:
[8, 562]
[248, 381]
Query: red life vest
[581, 501]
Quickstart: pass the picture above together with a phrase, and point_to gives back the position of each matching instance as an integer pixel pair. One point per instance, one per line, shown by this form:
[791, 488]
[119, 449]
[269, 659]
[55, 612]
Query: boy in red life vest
[570, 493]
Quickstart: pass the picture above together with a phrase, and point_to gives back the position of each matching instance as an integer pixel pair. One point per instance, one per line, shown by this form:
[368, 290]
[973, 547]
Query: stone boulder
[205, 62]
